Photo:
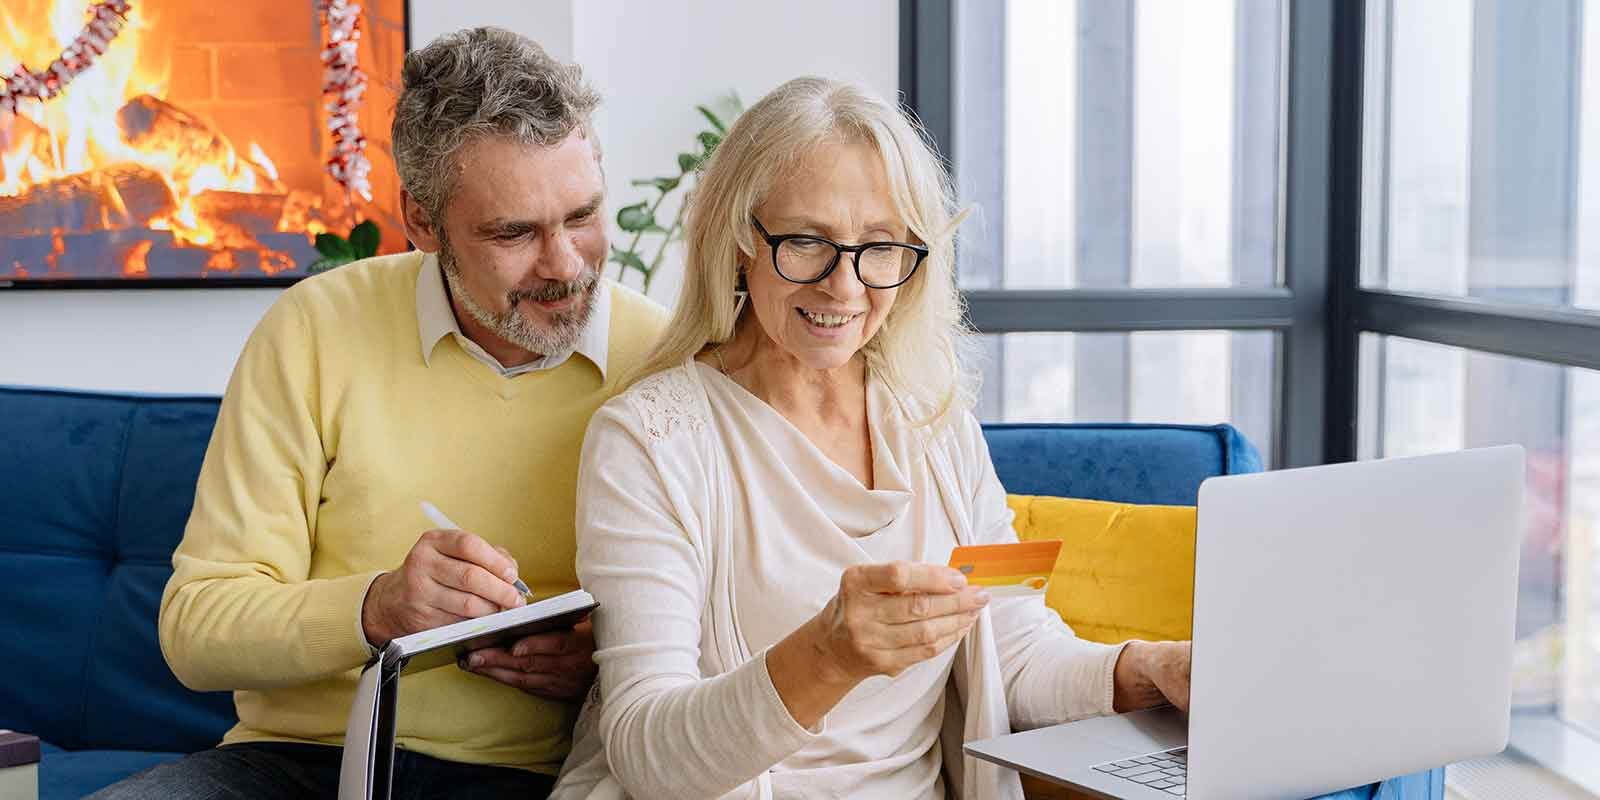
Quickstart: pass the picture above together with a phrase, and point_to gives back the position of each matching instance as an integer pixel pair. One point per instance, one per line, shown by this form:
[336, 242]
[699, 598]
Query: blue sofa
[95, 490]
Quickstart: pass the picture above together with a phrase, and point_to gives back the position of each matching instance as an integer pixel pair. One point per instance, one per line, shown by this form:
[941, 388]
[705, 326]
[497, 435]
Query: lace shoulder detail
[666, 404]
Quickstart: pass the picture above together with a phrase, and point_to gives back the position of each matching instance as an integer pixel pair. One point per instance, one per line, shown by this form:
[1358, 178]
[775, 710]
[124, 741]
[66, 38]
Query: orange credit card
[1008, 570]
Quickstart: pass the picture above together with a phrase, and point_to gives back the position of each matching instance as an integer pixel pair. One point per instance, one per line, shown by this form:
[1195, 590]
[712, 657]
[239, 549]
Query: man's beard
[564, 327]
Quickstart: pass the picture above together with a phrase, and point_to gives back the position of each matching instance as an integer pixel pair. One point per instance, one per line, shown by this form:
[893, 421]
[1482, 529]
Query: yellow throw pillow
[1125, 571]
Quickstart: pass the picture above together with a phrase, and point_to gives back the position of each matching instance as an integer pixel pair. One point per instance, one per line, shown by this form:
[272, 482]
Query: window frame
[1321, 310]
[1320, 242]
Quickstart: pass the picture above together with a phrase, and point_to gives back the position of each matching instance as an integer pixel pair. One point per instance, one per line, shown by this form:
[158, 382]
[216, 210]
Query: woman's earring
[741, 293]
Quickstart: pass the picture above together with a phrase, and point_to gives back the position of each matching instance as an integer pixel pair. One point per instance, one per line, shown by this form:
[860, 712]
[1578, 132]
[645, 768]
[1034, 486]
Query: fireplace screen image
[196, 140]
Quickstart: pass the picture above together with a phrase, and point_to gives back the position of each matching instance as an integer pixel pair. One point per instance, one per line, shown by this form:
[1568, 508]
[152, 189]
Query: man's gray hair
[477, 82]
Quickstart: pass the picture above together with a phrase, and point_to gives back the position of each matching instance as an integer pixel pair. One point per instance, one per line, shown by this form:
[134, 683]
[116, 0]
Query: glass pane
[1190, 377]
[1431, 398]
[1118, 144]
[1482, 171]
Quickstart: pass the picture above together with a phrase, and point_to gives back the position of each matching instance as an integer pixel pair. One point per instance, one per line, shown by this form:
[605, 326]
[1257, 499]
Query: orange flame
[222, 261]
[133, 264]
[111, 116]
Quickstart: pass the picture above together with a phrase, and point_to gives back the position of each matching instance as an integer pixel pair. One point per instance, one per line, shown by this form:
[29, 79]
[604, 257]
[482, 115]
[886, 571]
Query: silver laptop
[1352, 623]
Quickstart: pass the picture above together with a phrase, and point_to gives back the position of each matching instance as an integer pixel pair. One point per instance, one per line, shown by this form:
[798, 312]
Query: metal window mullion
[1322, 231]
[1257, 159]
[927, 83]
[978, 165]
[1105, 197]
[1126, 310]
[1558, 335]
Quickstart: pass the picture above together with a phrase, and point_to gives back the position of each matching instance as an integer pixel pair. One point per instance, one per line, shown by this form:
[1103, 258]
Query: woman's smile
[829, 324]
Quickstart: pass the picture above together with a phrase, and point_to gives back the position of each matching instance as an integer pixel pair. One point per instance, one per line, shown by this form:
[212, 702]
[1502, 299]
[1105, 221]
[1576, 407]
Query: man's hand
[1151, 673]
[555, 666]
[447, 577]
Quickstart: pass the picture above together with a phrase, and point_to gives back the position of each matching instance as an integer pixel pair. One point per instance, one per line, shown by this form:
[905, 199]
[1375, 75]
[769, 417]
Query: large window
[1484, 150]
[1193, 377]
[1110, 146]
[1351, 229]
[1481, 238]
[1129, 144]
[1430, 398]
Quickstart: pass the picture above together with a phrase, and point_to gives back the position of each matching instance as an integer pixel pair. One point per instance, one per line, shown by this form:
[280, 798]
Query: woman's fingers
[903, 577]
[924, 632]
[921, 641]
[900, 609]
[887, 617]
[890, 616]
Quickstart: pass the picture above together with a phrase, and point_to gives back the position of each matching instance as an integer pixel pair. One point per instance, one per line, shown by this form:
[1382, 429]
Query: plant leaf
[333, 245]
[713, 119]
[664, 184]
[688, 162]
[364, 240]
[325, 264]
[709, 142]
[635, 218]
[628, 258]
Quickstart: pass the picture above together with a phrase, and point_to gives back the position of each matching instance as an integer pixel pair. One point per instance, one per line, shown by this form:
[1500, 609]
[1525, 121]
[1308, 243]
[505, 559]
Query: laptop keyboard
[1167, 771]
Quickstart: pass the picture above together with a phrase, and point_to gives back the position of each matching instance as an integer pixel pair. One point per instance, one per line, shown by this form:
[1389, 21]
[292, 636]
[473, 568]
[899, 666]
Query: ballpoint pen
[438, 518]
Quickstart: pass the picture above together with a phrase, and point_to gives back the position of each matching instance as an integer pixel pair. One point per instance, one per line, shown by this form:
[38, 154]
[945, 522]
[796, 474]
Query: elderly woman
[764, 515]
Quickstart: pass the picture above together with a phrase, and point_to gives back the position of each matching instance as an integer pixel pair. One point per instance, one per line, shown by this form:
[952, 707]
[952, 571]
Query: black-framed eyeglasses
[803, 258]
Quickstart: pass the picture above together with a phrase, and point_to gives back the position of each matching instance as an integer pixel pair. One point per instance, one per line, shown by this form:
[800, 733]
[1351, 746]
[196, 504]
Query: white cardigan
[688, 711]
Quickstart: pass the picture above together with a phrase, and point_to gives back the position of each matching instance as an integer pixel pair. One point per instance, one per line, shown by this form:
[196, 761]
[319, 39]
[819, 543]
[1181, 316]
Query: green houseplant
[337, 250]
[650, 240]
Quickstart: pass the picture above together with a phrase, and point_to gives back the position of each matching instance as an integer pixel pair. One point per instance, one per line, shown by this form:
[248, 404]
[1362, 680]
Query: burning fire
[142, 162]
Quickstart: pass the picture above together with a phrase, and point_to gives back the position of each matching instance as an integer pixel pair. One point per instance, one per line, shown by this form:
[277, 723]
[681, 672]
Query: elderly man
[463, 375]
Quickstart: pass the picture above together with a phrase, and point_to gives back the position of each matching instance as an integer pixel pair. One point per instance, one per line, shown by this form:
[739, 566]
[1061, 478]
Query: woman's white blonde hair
[921, 348]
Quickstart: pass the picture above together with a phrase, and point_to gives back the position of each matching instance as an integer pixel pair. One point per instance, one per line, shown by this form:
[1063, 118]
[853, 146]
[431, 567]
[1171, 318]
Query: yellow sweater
[331, 432]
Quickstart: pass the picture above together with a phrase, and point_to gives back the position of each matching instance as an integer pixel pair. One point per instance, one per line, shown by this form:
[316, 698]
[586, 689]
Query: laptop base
[1067, 754]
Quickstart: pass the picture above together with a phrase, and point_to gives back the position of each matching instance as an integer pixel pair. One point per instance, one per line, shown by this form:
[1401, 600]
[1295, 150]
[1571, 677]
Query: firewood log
[119, 196]
[257, 213]
[158, 128]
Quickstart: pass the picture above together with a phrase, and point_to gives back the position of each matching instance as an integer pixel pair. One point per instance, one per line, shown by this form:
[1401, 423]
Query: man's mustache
[555, 290]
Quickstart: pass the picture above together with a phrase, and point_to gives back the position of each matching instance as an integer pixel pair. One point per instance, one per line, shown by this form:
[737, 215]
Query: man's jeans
[287, 770]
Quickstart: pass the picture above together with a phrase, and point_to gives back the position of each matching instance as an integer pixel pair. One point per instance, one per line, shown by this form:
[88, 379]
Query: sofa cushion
[70, 774]
[1125, 571]
[97, 489]
[1124, 463]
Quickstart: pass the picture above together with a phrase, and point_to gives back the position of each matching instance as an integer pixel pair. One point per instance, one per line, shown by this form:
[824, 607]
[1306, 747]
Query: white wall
[652, 61]
[176, 341]
[548, 22]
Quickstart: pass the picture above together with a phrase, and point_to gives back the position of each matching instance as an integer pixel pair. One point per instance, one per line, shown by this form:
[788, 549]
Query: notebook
[366, 770]
[444, 645]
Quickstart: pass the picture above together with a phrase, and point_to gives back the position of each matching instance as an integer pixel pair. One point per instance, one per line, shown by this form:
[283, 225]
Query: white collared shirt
[436, 320]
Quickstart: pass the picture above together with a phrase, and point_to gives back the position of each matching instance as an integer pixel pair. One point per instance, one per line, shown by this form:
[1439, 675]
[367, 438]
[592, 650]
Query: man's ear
[419, 227]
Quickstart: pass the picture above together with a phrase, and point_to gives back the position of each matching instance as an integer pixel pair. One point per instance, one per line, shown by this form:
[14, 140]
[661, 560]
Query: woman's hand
[1151, 673]
[888, 617]
[884, 619]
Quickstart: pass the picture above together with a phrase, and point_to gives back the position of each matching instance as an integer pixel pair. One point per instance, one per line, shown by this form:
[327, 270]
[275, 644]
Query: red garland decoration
[344, 83]
[106, 20]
